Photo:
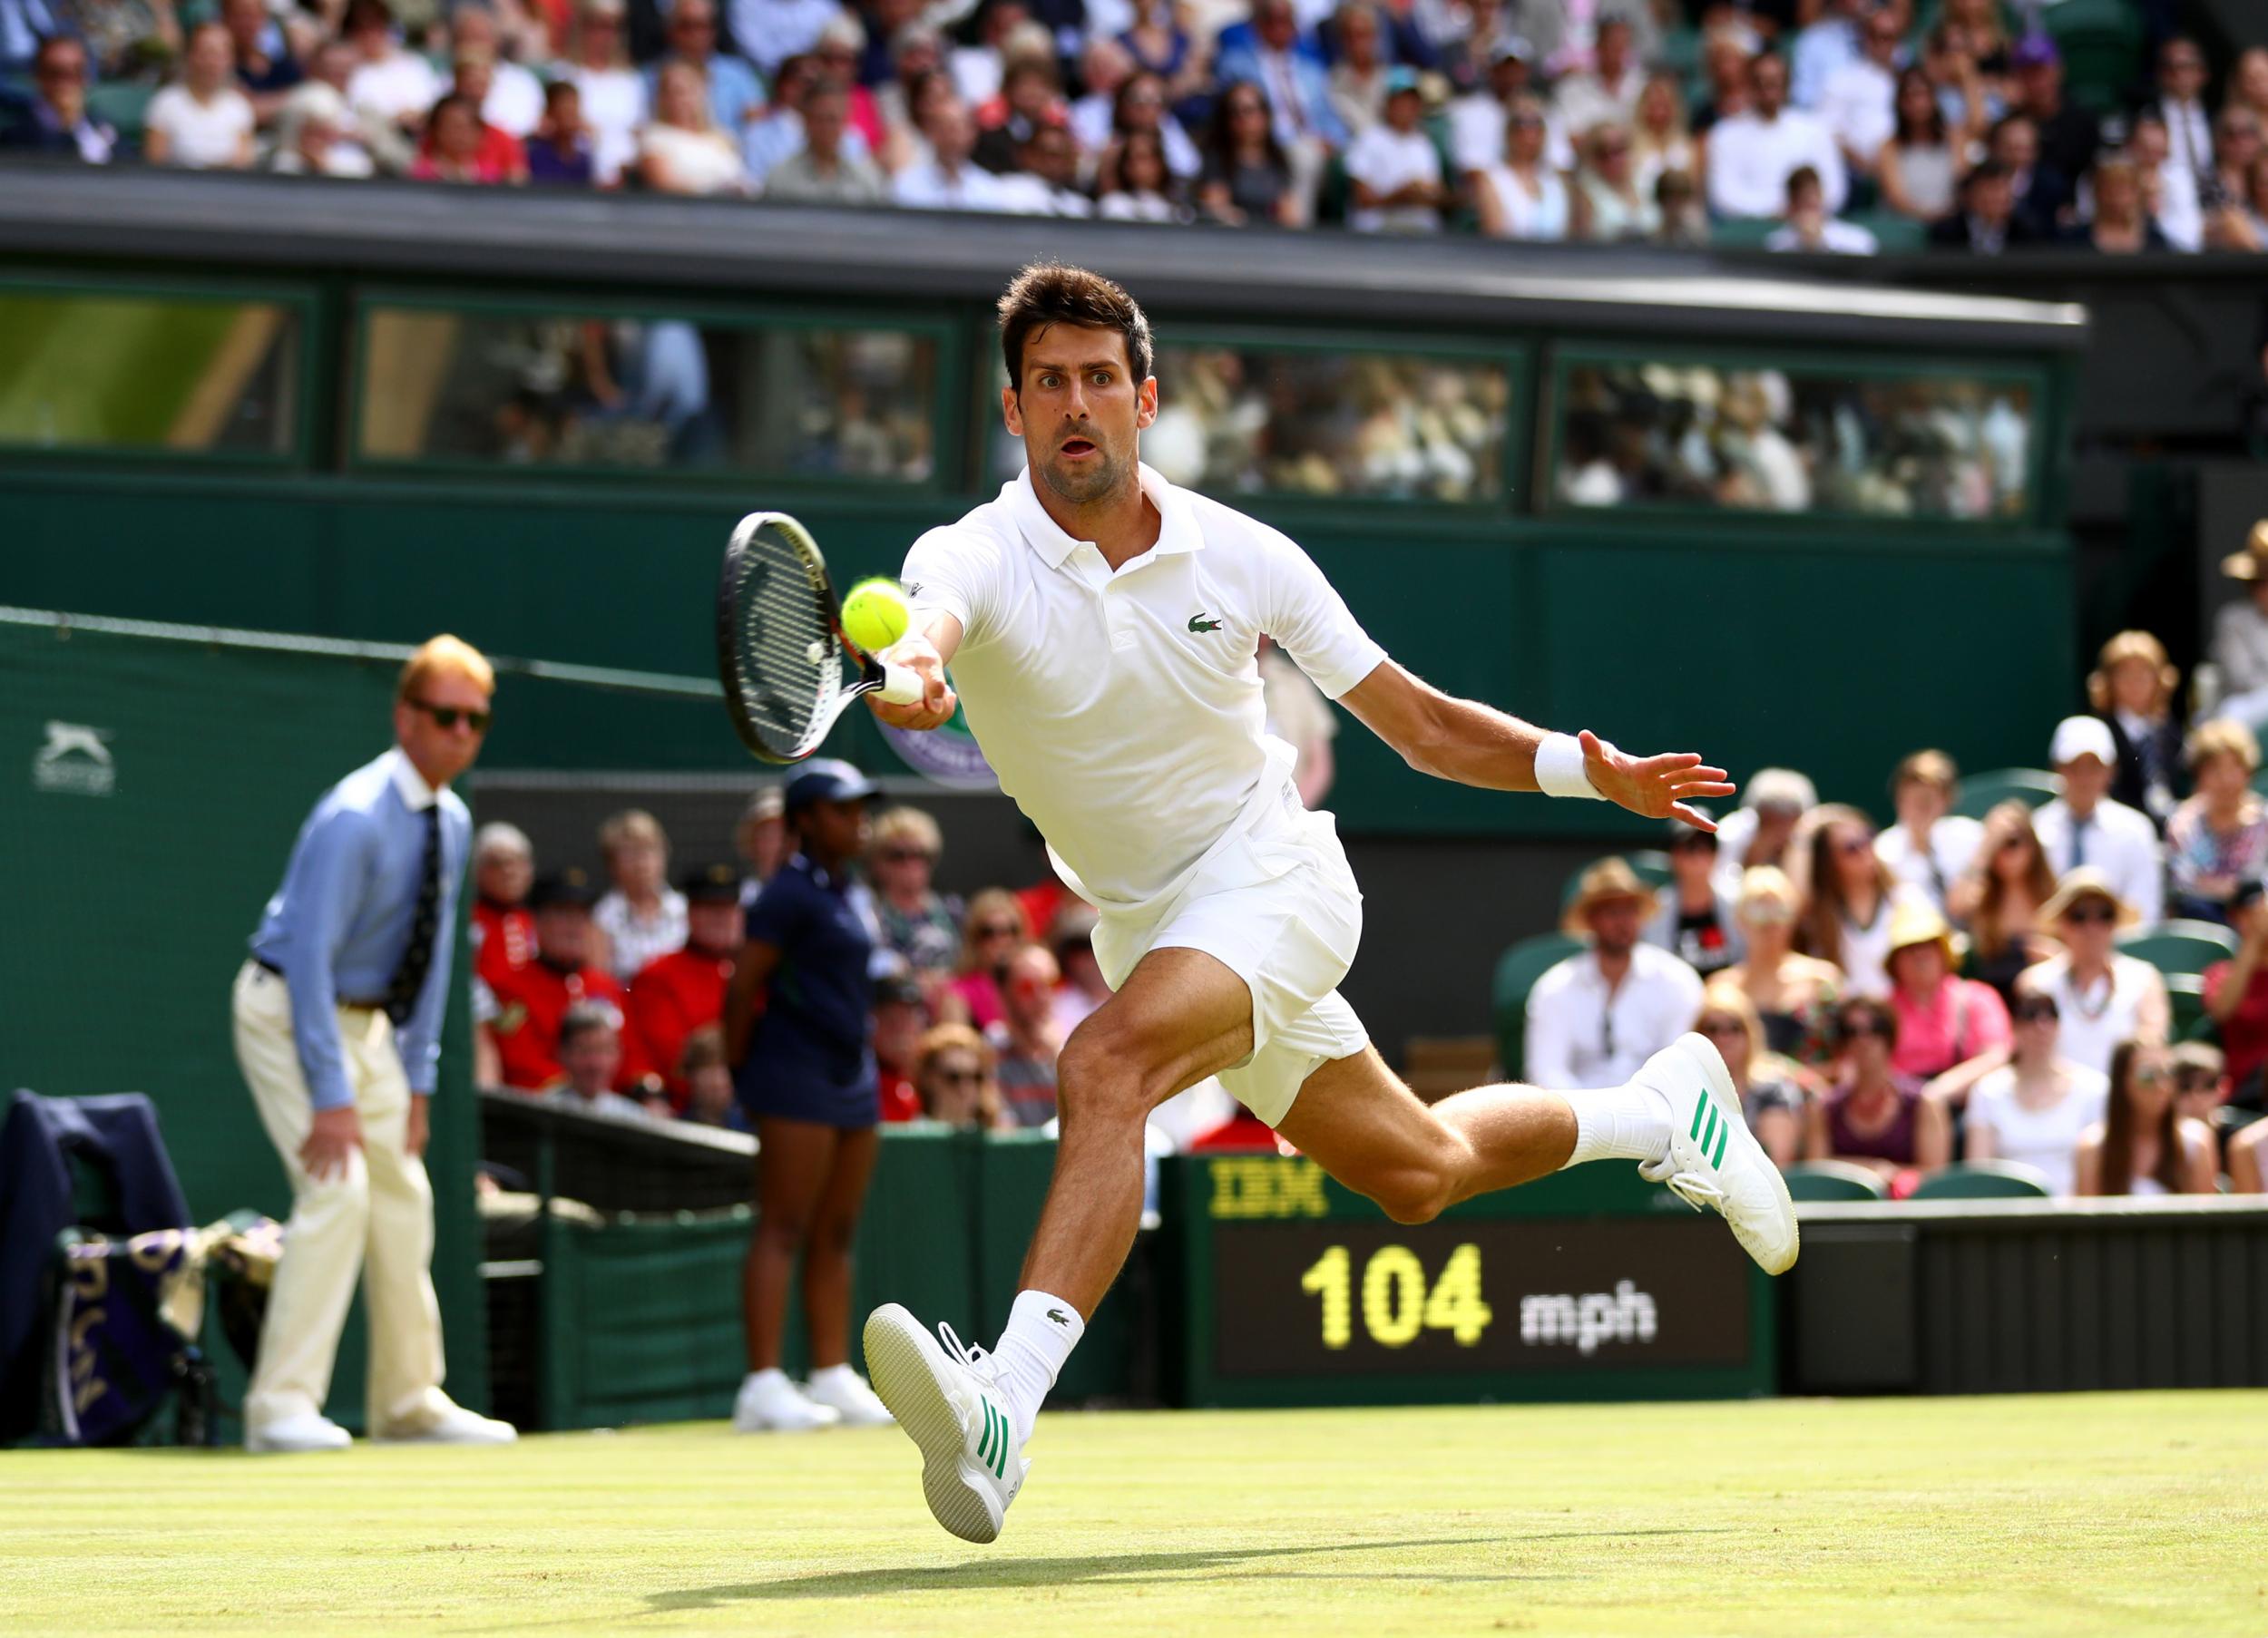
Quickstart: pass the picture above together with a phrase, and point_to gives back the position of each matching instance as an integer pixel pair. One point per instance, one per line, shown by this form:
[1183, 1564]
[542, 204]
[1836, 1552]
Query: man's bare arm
[1472, 744]
[926, 652]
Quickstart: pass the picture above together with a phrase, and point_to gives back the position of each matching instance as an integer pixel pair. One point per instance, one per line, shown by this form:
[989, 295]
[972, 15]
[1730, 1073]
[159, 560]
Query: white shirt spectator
[769, 32]
[1137, 208]
[2240, 647]
[613, 1105]
[778, 137]
[2188, 135]
[1952, 848]
[515, 103]
[633, 940]
[1857, 105]
[1865, 962]
[1581, 101]
[2180, 215]
[1750, 161]
[2046, 1138]
[1541, 215]
[614, 107]
[701, 162]
[1476, 136]
[2115, 840]
[1835, 236]
[401, 86]
[1821, 48]
[926, 187]
[1029, 195]
[1579, 1035]
[1385, 160]
[203, 134]
[2090, 1027]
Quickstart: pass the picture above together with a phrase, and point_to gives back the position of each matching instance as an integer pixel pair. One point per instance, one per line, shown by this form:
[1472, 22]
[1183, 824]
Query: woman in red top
[2237, 995]
[1942, 1019]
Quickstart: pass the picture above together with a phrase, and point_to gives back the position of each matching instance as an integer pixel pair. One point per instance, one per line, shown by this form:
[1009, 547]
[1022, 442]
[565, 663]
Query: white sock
[1041, 1333]
[766, 1377]
[1619, 1122]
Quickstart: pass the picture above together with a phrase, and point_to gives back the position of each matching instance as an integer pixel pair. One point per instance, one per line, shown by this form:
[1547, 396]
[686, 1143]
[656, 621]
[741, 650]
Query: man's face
[1691, 861]
[1769, 77]
[1994, 198]
[62, 76]
[1272, 21]
[1921, 803]
[952, 134]
[837, 829]
[1403, 110]
[823, 117]
[441, 754]
[898, 1026]
[563, 935]
[475, 75]
[2041, 86]
[712, 925]
[591, 1059]
[2016, 145]
[504, 875]
[1508, 78]
[2180, 70]
[244, 20]
[2237, 138]
[1879, 39]
[1613, 50]
[1614, 924]
[1079, 411]
[1030, 993]
[693, 30]
[1050, 156]
[334, 65]
[2085, 782]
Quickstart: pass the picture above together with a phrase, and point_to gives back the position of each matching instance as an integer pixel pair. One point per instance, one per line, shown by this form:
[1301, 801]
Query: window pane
[565, 390]
[147, 372]
[1244, 421]
[1795, 441]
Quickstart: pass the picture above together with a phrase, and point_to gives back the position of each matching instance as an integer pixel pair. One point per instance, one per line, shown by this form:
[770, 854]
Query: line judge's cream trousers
[379, 1213]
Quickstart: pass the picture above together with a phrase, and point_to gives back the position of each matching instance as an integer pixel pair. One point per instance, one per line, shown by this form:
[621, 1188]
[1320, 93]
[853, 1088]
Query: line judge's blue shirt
[340, 922]
[815, 1021]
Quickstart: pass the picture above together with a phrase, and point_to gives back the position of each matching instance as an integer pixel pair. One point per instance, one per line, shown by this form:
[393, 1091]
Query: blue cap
[1401, 78]
[826, 779]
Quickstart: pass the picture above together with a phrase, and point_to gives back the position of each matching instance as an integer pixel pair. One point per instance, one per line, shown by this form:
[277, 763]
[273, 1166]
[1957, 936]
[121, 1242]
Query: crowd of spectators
[1536, 120]
[1960, 988]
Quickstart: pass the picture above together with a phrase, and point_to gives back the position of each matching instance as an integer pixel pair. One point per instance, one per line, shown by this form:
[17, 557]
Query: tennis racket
[780, 645]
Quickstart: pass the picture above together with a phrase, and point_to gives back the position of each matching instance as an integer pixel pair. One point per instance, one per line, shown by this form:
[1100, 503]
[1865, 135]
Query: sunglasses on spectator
[2195, 1080]
[2091, 916]
[2011, 843]
[900, 855]
[958, 1077]
[447, 716]
[1721, 1027]
[2150, 1077]
[2035, 1011]
[1853, 845]
[999, 930]
[1526, 121]
[1768, 912]
[1859, 1029]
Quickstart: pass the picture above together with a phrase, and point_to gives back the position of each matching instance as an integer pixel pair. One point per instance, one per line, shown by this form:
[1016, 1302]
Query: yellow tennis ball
[874, 614]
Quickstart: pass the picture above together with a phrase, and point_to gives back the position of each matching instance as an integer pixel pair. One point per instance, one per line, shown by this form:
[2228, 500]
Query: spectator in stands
[2218, 838]
[2200, 1083]
[614, 100]
[779, 131]
[823, 169]
[996, 928]
[1134, 184]
[805, 1076]
[950, 179]
[2180, 105]
[264, 67]
[1964, 95]
[560, 152]
[2141, 1146]
[1273, 52]
[761, 840]
[1986, 223]
[681, 150]
[918, 923]
[498, 155]
[1757, 466]
[1660, 139]
[1752, 154]
[1999, 897]
[735, 94]
[1943, 1019]
[517, 1012]
[953, 1074]
[1770, 1094]
[901, 1015]
[1809, 227]
[2084, 826]
[2248, 83]
[2248, 1159]
[2034, 1106]
[55, 119]
[1696, 921]
[1857, 98]
[513, 99]
[1027, 1040]
[333, 64]
[1477, 120]
[2041, 193]
[1984, 22]
[1847, 893]
[641, 915]
[455, 149]
[1003, 29]
[1873, 1117]
[1158, 44]
[2133, 688]
[389, 84]
[1834, 36]
[1358, 75]
[1728, 61]
[2239, 630]
[1929, 848]
[1142, 106]
[1072, 939]
[1521, 195]
[1297, 713]
[1046, 181]
[708, 1077]
[2236, 998]
[2169, 187]
[2119, 225]
[1607, 91]
[315, 136]
[2069, 136]
[1794, 995]
[1774, 802]
[1919, 165]
[2236, 146]
[502, 928]
[1596, 1017]
[2245, 220]
[1606, 203]
[1248, 177]
[202, 121]
[1393, 167]
[772, 31]
[589, 1061]
[683, 991]
[1030, 98]
[2102, 997]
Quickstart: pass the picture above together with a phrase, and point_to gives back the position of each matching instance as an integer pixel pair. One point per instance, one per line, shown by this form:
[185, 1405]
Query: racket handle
[899, 687]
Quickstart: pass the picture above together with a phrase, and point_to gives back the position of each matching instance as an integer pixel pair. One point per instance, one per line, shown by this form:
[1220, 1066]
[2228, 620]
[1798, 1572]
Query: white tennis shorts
[1278, 907]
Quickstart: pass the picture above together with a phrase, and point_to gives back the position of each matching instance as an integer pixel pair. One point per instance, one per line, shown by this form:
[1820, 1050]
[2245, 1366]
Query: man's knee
[1412, 1195]
[1100, 1073]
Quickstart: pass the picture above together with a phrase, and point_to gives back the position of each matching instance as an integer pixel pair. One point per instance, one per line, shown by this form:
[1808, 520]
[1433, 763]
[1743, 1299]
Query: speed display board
[1587, 1285]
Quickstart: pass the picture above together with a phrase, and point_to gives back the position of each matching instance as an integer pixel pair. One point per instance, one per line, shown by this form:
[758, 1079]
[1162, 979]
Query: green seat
[1680, 52]
[122, 105]
[1983, 1180]
[1831, 1179]
[2101, 42]
[1517, 970]
[1981, 793]
[1650, 864]
[2185, 995]
[2174, 947]
[1894, 233]
[1741, 233]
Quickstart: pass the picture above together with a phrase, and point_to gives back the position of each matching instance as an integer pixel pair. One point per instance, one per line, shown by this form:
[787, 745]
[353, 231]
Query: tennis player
[1102, 626]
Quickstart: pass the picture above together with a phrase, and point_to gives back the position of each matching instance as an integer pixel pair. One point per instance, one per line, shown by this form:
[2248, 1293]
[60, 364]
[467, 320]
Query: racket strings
[785, 692]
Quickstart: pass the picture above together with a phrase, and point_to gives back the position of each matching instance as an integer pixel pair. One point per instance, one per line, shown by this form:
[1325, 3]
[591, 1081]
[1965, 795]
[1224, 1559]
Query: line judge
[337, 1024]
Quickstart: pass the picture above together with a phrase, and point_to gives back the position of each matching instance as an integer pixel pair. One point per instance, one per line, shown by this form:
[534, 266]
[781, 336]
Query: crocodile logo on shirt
[1197, 623]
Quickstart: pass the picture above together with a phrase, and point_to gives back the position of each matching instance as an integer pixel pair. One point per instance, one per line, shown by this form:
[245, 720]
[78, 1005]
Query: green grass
[2126, 1515]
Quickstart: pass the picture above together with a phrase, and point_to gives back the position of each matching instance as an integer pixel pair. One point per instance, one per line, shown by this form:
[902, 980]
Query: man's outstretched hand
[1661, 787]
[935, 706]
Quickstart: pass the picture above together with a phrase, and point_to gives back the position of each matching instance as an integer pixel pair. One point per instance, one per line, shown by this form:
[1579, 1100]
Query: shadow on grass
[993, 1574]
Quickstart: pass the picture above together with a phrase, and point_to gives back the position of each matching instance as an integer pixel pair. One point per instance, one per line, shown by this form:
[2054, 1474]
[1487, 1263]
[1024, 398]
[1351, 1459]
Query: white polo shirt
[2117, 840]
[1580, 1036]
[1123, 711]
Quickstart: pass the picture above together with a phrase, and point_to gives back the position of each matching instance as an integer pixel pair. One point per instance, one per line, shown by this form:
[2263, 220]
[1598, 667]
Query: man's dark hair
[585, 1018]
[1803, 176]
[1049, 293]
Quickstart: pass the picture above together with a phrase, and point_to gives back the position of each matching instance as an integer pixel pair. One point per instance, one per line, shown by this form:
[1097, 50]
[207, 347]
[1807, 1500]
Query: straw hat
[1917, 921]
[1604, 882]
[2087, 882]
[2252, 563]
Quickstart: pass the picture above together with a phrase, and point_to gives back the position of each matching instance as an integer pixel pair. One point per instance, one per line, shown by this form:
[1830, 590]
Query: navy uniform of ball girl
[796, 1023]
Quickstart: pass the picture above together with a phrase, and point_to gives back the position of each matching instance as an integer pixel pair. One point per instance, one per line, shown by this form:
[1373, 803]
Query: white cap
[2077, 736]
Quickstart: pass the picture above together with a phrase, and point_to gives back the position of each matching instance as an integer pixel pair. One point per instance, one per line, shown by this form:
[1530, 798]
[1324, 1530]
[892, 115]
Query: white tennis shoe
[1713, 1161]
[948, 1400]
[768, 1402]
[845, 1392]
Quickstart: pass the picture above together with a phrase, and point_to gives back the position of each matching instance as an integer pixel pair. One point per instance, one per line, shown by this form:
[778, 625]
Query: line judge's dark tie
[409, 975]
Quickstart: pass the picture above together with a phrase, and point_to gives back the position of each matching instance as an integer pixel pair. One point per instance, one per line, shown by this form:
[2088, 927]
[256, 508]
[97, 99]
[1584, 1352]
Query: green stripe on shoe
[1700, 1104]
[1723, 1136]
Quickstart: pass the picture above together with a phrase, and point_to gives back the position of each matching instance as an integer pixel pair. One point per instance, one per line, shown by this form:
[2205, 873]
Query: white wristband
[1559, 768]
